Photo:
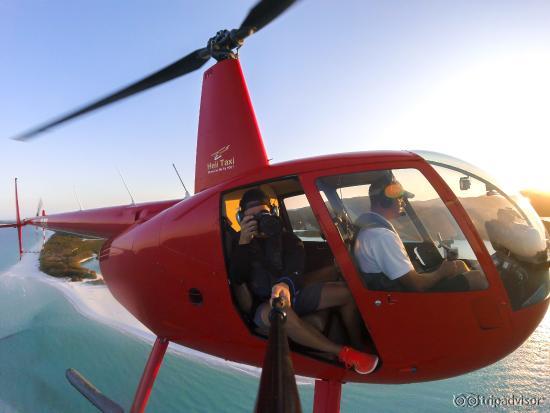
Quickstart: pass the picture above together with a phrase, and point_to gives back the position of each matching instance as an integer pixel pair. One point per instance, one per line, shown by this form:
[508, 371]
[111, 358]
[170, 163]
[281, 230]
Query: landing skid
[88, 390]
[106, 405]
[278, 392]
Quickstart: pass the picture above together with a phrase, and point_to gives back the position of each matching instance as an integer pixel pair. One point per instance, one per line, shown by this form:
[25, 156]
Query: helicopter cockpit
[510, 230]
[427, 229]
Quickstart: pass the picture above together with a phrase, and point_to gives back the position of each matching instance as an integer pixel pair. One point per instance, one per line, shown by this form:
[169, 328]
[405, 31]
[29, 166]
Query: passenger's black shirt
[265, 262]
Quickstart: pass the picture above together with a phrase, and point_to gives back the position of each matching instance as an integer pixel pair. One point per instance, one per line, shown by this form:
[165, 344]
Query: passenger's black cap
[256, 196]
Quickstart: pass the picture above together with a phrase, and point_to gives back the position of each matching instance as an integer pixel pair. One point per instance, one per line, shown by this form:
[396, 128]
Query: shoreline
[95, 302]
[63, 255]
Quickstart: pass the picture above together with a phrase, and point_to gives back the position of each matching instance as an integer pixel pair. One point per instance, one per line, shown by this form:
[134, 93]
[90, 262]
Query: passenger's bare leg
[476, 280]
[302, 332]
[352, 320]
[337, 294]
[324, 274]
[318, 319]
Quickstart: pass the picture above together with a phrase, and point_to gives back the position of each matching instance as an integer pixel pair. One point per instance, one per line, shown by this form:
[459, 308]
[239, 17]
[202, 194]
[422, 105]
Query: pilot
[381, 255]
[272, 265]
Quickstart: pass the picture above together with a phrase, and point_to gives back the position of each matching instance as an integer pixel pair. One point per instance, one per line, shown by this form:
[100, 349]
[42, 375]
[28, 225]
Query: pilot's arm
[413, 281]
[388, 253]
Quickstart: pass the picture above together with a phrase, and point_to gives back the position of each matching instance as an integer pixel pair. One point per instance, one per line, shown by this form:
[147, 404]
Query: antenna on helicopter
[126, 186]
[77, 199]
[181, 180]
[40, 211]
[39, 207]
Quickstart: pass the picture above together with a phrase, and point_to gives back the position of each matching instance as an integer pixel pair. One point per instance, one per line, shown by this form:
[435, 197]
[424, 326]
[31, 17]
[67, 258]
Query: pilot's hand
[447, 268]
[461, 267]
[280, 290]
[452, 268]
[249, 229]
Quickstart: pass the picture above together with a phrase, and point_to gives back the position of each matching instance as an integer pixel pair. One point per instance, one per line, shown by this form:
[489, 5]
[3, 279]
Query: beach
[97, 303]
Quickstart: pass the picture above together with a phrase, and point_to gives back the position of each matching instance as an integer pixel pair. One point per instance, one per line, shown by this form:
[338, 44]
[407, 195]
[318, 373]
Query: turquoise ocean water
[41, 335]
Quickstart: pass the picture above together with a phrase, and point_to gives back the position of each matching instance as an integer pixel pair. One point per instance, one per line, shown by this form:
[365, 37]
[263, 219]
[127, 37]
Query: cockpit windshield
[510, 228]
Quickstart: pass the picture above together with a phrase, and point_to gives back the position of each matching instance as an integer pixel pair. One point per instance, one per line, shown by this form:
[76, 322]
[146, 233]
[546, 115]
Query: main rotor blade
[187, 64]
[259, 16]
[262, 14]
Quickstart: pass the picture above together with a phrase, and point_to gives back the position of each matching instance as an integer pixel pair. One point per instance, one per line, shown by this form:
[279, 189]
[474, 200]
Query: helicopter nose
[526, 321]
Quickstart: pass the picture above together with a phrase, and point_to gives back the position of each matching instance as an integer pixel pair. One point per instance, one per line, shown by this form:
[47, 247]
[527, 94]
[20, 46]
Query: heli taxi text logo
[220, 161]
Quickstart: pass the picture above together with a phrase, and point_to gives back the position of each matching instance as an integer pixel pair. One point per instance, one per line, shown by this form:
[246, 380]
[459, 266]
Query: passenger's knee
[335, 294]
[347, 297]
[477, 280]
[291, 316]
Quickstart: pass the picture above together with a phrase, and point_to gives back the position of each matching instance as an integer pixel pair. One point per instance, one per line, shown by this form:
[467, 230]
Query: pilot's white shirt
[381, 250]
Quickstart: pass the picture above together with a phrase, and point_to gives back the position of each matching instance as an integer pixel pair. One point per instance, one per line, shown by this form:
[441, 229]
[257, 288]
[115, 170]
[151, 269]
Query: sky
[468, 78]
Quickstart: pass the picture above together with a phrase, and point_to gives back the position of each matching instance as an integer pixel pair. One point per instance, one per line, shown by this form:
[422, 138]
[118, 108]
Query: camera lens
[268, 224]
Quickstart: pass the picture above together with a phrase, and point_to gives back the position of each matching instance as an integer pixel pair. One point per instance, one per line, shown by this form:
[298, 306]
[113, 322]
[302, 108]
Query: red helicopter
[167, 262]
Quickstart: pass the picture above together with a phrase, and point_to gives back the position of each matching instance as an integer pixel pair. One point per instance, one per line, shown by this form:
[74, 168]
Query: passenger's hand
[280, 290]
[249, 229]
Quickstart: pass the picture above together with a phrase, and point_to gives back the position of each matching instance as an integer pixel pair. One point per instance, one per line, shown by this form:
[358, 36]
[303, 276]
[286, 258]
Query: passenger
[382, 257]
[272, 264]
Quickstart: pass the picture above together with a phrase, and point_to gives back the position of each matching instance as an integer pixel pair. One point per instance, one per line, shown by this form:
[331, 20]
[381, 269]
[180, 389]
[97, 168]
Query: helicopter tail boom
[100, 222]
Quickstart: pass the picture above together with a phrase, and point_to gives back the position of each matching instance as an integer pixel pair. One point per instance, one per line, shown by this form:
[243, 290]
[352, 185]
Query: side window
[368, 207]
[303, 222]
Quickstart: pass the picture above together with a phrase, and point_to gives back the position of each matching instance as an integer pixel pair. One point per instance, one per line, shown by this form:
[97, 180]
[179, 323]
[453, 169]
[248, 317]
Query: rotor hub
[225, 45]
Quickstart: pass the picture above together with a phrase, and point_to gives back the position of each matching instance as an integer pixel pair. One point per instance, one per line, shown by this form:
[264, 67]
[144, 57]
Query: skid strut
[327, 396]
[149, 375]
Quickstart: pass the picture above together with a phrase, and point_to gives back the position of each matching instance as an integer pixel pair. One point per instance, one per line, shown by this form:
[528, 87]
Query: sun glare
[494, 114]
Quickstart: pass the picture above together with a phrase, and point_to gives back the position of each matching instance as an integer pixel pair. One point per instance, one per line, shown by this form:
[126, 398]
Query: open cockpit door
[415, 332]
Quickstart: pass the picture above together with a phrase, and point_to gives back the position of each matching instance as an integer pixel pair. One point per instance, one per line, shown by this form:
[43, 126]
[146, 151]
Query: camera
[269, 224]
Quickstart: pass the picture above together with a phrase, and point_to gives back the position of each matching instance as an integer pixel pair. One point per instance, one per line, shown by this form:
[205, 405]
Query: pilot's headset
[386, 190]
[258, 197]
